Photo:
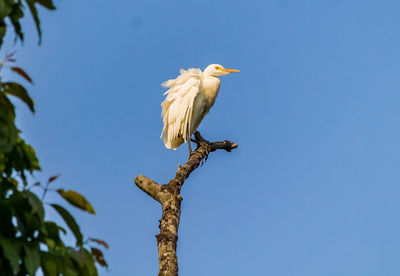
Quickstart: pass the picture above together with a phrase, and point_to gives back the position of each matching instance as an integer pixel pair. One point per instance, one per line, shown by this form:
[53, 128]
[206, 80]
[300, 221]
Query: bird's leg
[190, 147]
[195, 141]
[198, 142]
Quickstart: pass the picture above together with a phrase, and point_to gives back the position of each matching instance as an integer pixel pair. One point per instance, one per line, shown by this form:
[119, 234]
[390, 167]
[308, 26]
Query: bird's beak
[229, 70]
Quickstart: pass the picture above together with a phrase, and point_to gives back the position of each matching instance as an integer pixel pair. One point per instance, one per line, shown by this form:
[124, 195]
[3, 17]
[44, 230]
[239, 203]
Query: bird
[189, 98]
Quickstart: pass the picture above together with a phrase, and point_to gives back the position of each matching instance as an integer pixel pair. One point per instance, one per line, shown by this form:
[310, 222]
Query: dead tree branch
[169, 197]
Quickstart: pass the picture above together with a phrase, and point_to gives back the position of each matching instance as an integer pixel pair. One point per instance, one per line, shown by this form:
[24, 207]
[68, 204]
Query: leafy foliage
[27, 240]
[14, 11]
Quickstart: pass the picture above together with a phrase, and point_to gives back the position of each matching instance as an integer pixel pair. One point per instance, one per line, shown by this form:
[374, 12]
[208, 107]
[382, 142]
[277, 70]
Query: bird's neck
[210, 88]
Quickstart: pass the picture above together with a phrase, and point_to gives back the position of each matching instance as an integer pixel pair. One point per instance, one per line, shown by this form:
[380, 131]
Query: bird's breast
[210, 88]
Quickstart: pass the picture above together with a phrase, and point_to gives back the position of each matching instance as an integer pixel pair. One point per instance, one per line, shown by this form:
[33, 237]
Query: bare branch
[169, 196]
[151, 188]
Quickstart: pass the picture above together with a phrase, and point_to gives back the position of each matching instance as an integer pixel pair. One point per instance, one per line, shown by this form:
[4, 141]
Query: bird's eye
[217, 68]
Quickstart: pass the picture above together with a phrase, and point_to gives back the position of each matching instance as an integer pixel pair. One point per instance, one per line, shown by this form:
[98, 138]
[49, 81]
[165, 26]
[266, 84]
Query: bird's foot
[199, 138]
[204, 160]
[200, 141]
[207, 153]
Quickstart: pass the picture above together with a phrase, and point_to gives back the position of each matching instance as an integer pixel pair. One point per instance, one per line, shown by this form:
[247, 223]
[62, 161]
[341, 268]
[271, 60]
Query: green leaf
[23, 157]
[49, 264]
[80, 260]
[101, 242]
[2, 161]
[2, 31]
[5, 8]
[50, 234]
[77, 200]
[36, 204]
[11, 253]
[62, 229]
[70, 221]
[32, 8]
[47, 4]
[89, 263]
[15, 16]
[32, 158]
[98, 256]
[32, 259]
[70, 271]
[7, 109]
[22, 73]
[8, 135]
[17, 90]
[78, 256]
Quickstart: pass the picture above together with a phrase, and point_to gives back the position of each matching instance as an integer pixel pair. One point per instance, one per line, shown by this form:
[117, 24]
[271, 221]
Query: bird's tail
[171, 143]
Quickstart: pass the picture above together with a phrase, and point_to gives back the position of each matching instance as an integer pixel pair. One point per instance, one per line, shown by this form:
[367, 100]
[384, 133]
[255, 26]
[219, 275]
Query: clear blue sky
[313, 188]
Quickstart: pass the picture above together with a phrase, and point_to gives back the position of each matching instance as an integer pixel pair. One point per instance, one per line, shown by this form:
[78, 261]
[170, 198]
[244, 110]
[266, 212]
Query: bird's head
[216, 70]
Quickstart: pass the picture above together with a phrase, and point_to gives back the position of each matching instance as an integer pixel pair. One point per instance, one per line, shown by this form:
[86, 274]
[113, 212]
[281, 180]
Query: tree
[28, 241]
[169, 196]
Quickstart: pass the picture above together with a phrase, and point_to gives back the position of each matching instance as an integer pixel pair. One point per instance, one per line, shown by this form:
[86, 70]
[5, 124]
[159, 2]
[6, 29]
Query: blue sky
[312, 189]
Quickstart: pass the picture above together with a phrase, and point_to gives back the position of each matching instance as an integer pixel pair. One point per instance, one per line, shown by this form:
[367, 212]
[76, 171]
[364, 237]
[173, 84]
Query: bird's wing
[177, 107]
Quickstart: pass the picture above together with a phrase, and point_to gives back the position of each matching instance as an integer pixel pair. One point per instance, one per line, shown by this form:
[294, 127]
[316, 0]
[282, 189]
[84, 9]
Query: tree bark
[169, 197]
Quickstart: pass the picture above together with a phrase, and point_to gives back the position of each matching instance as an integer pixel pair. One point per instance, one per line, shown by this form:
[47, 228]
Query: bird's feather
[177, 108]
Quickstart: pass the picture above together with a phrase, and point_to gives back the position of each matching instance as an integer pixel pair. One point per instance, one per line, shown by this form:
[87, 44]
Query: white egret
[189, 99]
